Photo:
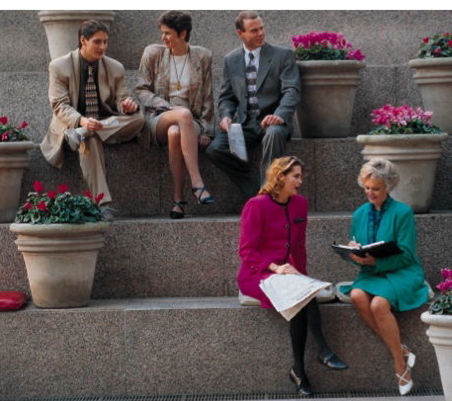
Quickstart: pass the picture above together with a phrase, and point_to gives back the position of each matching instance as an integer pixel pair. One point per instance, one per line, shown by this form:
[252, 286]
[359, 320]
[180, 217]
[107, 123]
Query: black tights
[308, 316]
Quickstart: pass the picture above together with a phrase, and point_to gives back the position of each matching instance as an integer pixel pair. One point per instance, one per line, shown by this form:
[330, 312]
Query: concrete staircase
[165, 319]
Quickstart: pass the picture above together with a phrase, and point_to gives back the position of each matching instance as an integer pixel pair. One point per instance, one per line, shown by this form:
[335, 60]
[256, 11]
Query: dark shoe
[332, 361]
[175, 214]
[202, 201]
[72, 138]
[303, 386]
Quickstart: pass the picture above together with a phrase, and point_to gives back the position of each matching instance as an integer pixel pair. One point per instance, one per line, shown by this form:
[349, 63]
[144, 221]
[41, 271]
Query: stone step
[125, 347]
[197, 256]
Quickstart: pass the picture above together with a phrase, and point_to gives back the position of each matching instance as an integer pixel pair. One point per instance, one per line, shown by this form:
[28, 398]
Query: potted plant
[408, 138]
[59, 235]
[329, 75]
[439, 317]
[433, 75]
[14, 147]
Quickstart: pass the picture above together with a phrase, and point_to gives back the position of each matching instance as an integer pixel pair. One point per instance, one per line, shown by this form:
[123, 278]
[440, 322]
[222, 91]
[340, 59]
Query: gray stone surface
[193, 346]
[197, 257]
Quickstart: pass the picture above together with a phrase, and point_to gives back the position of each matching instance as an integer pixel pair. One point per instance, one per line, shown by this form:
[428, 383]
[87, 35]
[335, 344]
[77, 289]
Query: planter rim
[70, 15]
[436, 320]
[426, 62]
[336, 63]
[401, 138]
[19, 145]
[36, 229]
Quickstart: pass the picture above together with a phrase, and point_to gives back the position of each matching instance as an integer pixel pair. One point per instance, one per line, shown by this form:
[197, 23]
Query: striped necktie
[91, 101]
[251, 76]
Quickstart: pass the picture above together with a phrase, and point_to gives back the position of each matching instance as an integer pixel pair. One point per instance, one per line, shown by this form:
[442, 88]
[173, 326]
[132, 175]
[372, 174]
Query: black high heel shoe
[178, 215]
[302, 383]
[332, 361]
[202, 201]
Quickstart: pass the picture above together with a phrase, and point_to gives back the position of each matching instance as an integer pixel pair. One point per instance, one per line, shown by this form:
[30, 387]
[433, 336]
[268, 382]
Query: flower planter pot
[328, 90]
[434, 79]
[415, 157]
[14, 159]
[60, 261]
[440, 335]
[62, 27]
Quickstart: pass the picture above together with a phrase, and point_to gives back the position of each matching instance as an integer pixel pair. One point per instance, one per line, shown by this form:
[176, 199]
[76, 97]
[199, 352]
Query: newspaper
[82, 131]
[237, 144]
[289, 293]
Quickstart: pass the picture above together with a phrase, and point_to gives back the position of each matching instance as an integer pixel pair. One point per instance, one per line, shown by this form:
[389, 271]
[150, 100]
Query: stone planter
[60, 261]
[440, 335]
[433, 76]
[328, 90]
[14, 159]
[415, 157]
[62, 27]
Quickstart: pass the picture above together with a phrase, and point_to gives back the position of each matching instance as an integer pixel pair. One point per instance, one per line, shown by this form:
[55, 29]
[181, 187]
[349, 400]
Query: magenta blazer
[270, 232]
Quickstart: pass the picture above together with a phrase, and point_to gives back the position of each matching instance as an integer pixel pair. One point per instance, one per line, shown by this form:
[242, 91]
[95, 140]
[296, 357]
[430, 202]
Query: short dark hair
[89, 28]
[239, 20]
[177, 20]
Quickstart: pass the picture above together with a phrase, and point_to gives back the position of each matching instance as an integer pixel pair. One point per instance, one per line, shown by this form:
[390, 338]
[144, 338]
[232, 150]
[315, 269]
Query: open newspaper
[289, 293]
[237, 144]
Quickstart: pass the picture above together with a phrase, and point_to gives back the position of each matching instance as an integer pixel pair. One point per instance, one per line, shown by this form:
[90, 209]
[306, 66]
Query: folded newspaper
[237, 144]
[289, 293]
[109, 122]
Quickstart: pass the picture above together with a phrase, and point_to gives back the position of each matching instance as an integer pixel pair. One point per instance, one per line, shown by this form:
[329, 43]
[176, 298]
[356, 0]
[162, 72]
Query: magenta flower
[63, 188]
[37, 186]
[28, 206]
[23, 125]
[52, 194]
[41, 206]
[88, 194]
[99, 197]
[3, 120]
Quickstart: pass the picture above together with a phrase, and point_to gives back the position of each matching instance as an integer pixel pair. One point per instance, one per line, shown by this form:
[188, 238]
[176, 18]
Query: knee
[358, 297]
[173, 135]
[379, 306]
[276, 133]
[184, 115]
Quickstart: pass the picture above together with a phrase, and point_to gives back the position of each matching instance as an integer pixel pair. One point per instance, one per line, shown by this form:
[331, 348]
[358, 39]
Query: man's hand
[271, 119]
[129, 106]
[91, 124]
[225, 123]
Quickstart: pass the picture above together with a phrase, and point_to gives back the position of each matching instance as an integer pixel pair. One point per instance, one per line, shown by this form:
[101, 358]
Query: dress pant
[274, 140]
[92, 161]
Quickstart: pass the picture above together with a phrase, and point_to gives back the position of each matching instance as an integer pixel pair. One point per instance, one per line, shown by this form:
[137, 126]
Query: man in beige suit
[90, 105]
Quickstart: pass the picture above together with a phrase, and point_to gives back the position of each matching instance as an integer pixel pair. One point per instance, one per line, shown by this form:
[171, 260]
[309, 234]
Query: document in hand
[237, 144]
[379, 249]
[289, 293]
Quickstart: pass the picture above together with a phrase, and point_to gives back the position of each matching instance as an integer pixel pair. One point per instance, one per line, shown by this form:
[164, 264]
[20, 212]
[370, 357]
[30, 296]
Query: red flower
[449, 43]
[99, 197]
[4, 120]
[63, 188]
[37, 185]
[23, 125]
[5, 136]
[88, 194]
[42, 206]
[425, 40]
[28, 206]
[52, 194]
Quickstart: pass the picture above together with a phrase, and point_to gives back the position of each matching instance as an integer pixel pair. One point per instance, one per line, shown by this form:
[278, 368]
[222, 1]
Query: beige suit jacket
[64, 85]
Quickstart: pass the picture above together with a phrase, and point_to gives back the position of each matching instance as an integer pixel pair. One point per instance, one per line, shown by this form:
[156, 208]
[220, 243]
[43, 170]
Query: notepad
[380, 249]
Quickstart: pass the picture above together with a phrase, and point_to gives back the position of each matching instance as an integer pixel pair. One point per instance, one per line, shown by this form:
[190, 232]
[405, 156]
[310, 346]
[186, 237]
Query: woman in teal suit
[394, 282]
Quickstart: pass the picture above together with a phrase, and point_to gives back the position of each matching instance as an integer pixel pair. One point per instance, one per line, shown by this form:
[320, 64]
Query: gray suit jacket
[64, 84]
[278, 84]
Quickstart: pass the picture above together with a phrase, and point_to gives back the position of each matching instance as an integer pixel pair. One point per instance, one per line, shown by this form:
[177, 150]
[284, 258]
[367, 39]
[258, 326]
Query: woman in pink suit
[272, 241]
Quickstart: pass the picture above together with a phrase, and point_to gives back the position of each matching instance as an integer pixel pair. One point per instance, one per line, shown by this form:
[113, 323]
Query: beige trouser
[92, 161]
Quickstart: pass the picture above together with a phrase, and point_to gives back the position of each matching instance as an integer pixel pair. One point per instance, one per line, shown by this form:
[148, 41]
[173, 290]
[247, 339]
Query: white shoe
[410, 358]
[405, 385]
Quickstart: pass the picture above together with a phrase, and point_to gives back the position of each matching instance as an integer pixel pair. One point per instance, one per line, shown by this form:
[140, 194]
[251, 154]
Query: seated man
[260, 91]
[87, 91]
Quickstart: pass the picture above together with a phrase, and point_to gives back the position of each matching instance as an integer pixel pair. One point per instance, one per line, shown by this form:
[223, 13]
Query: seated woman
[272, 241]
[175, 89]
[394, 282]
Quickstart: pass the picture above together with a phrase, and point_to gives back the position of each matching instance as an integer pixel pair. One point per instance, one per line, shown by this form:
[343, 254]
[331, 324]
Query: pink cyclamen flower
[99, 197]
[23, 125]
[63, 188]
[425, 40]
[3, 120]
[88, 194]
[355, 55]
[446, 273]
[5, 136]
[28, 206]
[41, 206]
[52, 194]
[38, 187]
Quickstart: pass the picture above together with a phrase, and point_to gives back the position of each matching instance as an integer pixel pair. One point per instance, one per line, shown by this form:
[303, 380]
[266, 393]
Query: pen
[354, 238]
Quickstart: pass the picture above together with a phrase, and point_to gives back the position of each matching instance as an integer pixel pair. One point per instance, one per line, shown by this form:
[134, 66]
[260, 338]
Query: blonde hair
[380, 169]
[284, 166]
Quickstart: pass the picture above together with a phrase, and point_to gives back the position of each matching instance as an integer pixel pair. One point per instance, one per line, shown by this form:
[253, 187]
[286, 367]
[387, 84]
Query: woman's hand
[283, 269]
[367, 260]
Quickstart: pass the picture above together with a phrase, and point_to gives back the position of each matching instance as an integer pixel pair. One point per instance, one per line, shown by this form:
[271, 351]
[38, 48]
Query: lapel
[102, 80]
[75, 90]
[238, 63]
[265, 60]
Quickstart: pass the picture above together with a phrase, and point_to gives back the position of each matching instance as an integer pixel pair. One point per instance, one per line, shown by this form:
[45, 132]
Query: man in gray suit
[260, 91]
